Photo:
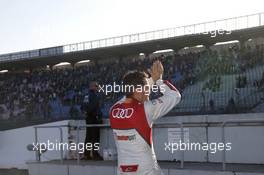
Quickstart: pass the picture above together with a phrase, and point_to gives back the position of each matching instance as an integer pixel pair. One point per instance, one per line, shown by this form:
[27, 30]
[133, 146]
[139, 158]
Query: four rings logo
[122, 113]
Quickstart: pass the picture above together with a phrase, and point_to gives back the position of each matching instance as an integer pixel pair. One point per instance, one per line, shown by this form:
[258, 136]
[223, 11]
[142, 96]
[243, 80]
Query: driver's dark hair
[134, 78]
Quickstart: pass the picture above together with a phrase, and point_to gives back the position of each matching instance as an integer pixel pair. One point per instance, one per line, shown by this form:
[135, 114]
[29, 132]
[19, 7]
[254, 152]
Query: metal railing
[181, 125]
[159, 125]
[37, 153]
[229, 24]
[78, 127]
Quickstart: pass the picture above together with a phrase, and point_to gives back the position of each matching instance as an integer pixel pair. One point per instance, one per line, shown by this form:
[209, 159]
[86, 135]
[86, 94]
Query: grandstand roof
[173, 38]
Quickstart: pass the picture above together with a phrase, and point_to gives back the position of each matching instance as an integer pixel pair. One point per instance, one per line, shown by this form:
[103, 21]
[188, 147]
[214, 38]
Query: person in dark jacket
[91, 108]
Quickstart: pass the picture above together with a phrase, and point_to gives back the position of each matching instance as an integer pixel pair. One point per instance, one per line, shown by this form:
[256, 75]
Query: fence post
[78, 140]
[182, 139]
[224, 151]
[61, 145]
[36, 142]
[259, 19]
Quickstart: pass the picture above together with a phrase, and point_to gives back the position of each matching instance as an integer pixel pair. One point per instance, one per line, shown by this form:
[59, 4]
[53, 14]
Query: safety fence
[181, 125]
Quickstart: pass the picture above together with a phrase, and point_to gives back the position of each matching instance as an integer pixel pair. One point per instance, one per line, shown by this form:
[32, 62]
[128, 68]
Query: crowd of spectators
[259, 83]
[241, 81]
[213, 84]
[58, 93]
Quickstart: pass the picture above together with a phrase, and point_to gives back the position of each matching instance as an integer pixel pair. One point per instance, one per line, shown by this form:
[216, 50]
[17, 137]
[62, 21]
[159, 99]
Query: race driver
[132, 118]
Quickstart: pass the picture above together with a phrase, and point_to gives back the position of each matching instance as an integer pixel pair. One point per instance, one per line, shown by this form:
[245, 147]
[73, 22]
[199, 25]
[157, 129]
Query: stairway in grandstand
[245, 97]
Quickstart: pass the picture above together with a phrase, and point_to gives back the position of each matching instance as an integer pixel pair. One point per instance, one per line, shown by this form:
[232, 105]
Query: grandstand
[223, 72]
[218, 74]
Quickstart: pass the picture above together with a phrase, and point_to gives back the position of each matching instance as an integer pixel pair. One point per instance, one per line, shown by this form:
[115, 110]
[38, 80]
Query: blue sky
[33, 24]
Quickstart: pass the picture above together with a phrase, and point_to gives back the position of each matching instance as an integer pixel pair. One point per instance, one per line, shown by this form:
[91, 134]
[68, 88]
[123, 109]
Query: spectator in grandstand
[231, 106]
[259, 83]
[91, 107]
[211, 106]
[213, 84]
[241, 81]
[4, 113]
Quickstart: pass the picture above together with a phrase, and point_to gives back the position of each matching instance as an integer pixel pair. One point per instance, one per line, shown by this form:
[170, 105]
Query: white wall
[247, 142]
[13, 143]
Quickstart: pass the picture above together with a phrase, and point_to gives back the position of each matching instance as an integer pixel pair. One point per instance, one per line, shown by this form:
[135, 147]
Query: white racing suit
[132, 128]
